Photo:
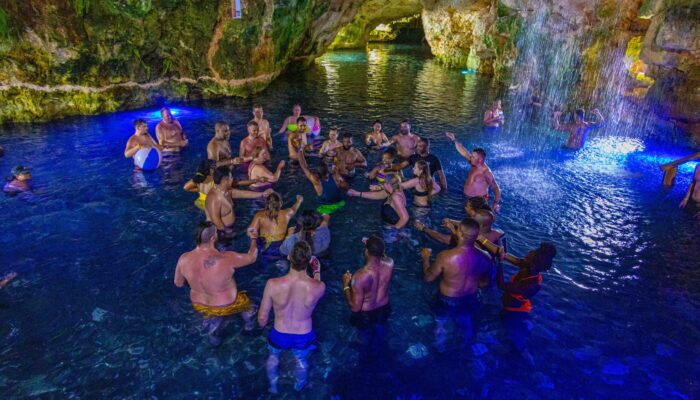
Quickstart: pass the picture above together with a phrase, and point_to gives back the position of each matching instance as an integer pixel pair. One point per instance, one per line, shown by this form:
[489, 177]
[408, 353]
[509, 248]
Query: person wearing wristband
[213, 290]
[140, 139]
[480, 177]
[462, 270]
[367, 294]
[293, 298]
[218, 205]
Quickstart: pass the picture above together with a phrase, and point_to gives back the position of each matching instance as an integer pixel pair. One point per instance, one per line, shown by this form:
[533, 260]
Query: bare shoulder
[388, 262]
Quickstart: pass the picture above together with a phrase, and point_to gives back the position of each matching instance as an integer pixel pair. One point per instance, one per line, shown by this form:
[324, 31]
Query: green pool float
[330, 208]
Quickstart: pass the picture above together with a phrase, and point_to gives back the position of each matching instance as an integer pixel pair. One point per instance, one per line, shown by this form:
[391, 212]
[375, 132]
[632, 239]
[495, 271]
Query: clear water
[94, 313]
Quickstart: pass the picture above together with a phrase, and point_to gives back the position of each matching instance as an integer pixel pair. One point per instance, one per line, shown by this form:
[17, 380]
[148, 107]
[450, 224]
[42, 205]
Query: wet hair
[138, 122]
[256, 151]
[480, 152]
[375, 246]
[204, 232]
[470, 228]
[406, 121]
[252, 123]
[425, 140]
[202, 171]
[256, 105]
[377, 122]
[300, 256]
[391, 151]
[425, 177]
[543, 256]
[301, 119]
[347, 135]
[273, 204]
[394, 180]
[309, 221]
[580, 113]
[221, 173]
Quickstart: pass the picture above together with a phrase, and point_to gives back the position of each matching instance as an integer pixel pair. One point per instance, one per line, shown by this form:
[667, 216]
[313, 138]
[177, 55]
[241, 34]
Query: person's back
[209, 276]
[464, 270]
[293, 299]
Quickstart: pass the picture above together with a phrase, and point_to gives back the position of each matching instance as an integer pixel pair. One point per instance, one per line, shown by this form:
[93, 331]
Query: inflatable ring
[314, 125]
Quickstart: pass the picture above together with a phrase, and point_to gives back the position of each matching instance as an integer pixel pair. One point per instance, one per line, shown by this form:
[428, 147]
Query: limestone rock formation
[68, 57]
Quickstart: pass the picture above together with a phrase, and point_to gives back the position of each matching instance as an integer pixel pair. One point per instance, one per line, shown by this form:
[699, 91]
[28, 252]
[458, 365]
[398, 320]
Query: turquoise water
[94, 313]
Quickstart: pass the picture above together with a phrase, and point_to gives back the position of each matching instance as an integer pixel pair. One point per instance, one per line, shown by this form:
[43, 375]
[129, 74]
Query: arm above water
[435, 235]
[265, 305]
[374, 195]
[558, 126]
[179, 277]
[599, 120]
[131, 148]
[682, 161]
[315, 182]
[460, 149]
[432, 271]
[354, 291]
[248, 194]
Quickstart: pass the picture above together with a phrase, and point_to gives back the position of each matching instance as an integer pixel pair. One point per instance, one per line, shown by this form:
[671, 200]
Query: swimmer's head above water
[478, 157]
[166, 115]
[21, 173]
[347, 141]
[474, 204]
[222, 131]
[205, 233]
[405, 128]
[253, 129]
[540, 259]
[300, 256]
[374, 247]
[377, 126]
[333, 133]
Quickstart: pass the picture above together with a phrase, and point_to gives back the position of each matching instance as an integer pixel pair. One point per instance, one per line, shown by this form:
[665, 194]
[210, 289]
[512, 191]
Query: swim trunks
[365, 319]
[290, 341]
[455, 307]
[242, 304]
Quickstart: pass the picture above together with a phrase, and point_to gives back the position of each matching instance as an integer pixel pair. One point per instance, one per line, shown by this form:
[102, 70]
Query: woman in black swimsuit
[423, 185]
[393, 210]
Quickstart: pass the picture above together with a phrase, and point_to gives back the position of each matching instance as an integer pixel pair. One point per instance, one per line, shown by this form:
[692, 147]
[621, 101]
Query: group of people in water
[472, 258]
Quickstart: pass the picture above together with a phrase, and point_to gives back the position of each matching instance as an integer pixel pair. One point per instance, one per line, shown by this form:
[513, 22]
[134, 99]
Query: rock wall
[371, 14]
[671, 50]
[69, 57]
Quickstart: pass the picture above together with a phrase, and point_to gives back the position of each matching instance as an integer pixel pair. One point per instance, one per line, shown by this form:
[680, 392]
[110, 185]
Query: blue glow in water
[94, 312]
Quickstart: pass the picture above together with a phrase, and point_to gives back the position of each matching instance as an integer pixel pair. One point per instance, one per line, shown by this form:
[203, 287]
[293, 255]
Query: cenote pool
[94, 312]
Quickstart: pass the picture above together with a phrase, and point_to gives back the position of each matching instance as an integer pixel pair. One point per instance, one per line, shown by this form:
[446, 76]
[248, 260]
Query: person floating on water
[170, 133]
[140, 139]
[332, 143]
[393, 210]
[218, 206]
[313, 229]
[579, 129]
[213, 290]
[480, 177]
[423, 154]
[493, 117]
[376, 139]
[367, 294]
[691, 200]
[270, 224]
[293, 298]
[522, 287]
[263, 125]
[349, 158]
[463, 269]
[328, 184]
[406, 142]
[19, 183]
[251, 142]
[219, 147]
[671, 169]
[258, 172]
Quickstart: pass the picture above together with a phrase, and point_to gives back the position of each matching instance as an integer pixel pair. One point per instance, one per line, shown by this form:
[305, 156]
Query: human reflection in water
[367, 294]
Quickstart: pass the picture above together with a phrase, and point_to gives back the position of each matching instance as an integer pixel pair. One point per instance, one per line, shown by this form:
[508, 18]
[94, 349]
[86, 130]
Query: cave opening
[407, 30]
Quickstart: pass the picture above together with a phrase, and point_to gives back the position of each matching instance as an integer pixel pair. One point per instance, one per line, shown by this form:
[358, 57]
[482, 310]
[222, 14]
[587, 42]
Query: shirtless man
[480, 177]
[140, 139]
[294, 119]
[293, 298]
[263, 125]
[579, 129]
[692, 196]
[213, 290]
[486, 218]
[219, 204]
[349, 158]
[367, 293]
[219, 147]
[462, 268]
[250, 142]
[423, 153]
[493, 117]
[405, 141]
[169, 132]
[296, 141]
